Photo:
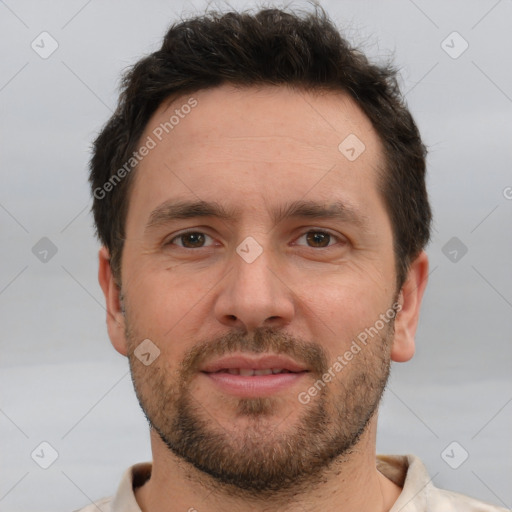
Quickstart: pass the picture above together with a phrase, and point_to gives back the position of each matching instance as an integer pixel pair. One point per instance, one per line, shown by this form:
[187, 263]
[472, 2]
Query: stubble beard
[266, 456]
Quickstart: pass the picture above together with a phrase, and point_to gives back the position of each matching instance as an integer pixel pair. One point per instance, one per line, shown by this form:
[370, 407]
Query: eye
[190, 240]
[319, 239]
[316, 239]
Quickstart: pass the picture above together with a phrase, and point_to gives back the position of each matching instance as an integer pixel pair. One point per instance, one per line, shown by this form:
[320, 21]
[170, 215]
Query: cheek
[161, 310]
[164, 294]
[340, 306]
[351, 285]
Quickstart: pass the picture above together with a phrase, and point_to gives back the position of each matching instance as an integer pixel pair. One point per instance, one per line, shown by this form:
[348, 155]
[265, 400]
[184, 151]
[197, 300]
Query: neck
[351, 485]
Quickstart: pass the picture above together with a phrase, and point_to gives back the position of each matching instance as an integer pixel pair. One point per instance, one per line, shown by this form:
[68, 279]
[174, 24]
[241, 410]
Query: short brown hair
[273, 47]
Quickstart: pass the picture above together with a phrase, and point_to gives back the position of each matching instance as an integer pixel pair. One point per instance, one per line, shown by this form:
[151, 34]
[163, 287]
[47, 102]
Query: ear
[115, 317]
[407, 318]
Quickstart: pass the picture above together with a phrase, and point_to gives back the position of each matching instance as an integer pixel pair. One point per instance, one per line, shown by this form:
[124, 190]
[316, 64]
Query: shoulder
[124, 498]
[103, 505]
[441, 499]
[419, 494]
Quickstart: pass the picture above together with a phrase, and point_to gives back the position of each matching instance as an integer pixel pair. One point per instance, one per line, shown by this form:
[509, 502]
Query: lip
[256, 385]
[254, 363]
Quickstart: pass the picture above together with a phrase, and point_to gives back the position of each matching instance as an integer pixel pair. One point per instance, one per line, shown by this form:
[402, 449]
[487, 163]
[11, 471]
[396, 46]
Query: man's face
[259, 282]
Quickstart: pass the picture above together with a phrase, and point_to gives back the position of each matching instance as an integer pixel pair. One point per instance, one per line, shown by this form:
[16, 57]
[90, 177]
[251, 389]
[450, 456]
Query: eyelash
[184, 233]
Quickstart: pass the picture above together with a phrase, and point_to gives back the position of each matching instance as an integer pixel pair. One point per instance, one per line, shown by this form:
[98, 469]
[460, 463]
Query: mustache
[264, 339]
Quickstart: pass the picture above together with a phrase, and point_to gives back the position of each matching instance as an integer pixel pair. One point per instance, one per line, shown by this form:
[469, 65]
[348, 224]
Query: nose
[254, 295]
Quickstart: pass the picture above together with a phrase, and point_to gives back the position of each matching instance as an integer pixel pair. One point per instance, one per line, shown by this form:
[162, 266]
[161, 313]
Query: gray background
[62, 382]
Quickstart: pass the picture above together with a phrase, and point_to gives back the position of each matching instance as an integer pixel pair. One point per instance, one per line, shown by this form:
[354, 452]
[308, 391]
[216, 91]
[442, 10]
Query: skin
[282, 146]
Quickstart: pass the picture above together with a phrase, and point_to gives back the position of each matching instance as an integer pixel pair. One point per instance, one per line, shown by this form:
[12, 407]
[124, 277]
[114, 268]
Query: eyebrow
[171, 210]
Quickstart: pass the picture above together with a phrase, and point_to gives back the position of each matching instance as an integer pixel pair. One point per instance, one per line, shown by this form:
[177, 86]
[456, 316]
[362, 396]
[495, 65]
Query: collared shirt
[407, 471]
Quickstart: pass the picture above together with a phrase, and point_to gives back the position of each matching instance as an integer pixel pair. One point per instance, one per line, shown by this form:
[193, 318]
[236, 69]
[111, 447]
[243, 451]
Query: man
[260, 198]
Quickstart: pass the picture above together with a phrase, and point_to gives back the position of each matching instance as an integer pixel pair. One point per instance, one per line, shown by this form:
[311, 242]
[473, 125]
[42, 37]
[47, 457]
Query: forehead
[246, 144]
[312, 120]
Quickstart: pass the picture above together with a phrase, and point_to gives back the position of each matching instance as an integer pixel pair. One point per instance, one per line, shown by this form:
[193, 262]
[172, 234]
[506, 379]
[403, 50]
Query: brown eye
[318, 238]
[190, 240]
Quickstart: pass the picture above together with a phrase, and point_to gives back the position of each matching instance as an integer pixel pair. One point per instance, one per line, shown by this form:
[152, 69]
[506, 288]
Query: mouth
[250, 372]
[245, 364]
[245, 376]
